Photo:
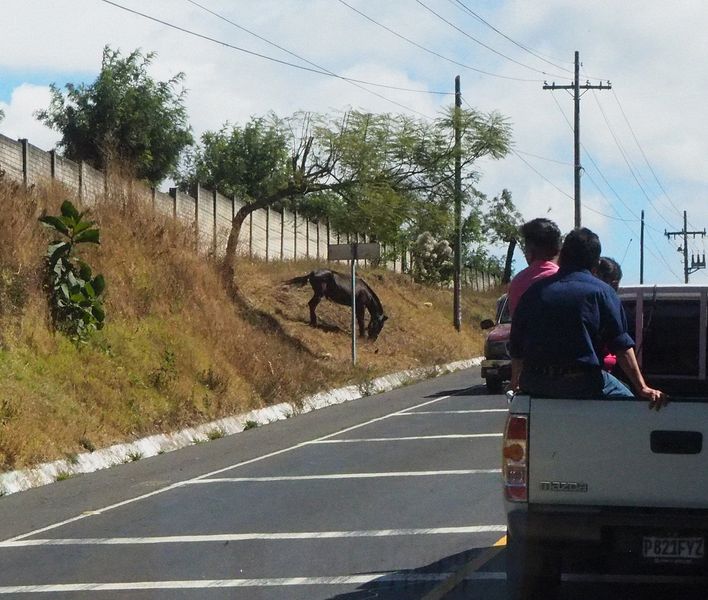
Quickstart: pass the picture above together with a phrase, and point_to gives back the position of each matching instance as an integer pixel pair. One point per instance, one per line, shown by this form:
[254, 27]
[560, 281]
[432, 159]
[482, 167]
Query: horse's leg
[314, 301]
[360, 311]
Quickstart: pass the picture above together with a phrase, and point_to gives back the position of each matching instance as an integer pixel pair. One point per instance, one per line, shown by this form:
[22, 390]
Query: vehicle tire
[494, 385]
[532, 570]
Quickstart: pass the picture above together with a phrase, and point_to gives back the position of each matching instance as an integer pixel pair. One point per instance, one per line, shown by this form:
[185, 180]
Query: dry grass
[175, 351]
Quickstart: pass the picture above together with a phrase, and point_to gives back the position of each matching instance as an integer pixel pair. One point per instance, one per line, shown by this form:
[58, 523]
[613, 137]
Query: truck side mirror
[487, 324]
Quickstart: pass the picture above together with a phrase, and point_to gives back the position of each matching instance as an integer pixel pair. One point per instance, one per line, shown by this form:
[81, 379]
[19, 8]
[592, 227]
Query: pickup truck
[496, 366]
[610, 485]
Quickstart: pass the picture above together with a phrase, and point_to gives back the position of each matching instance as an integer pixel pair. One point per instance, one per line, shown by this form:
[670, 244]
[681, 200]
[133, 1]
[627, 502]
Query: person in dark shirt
[561, 325]
[610, 271]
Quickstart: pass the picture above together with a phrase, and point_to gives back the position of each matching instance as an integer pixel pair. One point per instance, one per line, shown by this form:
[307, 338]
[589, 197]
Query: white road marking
[239, 537]
[378, 578]
[454, 436]
[347, 476]
[629, 578]
[218, 471]
[383, 578]
[454, 412]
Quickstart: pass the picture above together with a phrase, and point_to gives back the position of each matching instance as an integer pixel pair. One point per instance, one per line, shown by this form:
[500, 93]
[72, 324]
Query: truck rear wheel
[494, 385]
[532, 570]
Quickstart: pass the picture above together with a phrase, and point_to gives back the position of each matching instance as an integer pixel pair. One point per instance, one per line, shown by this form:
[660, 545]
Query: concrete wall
[11, 158]
[268, 234]
[67, 173]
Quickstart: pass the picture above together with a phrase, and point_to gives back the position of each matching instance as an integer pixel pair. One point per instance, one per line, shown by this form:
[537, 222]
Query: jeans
[614, 388]
[594, 383]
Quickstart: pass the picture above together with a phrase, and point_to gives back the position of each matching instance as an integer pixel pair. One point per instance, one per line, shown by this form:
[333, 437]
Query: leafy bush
[432, 259]
[163, 377]
[74, 295]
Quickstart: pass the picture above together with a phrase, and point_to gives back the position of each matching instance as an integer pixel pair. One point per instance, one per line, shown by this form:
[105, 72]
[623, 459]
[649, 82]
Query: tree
[502, 222]
[376, 172]
[432, 259]
[124, 118]
[2, 115]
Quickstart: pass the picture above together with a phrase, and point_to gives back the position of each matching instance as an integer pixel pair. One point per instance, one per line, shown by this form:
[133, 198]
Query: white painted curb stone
[88, 462]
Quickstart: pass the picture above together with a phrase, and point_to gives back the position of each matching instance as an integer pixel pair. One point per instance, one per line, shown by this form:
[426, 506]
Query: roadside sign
[353, 251]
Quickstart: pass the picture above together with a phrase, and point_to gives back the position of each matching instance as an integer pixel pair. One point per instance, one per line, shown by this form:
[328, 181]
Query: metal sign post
[355, 255]
[353, 252]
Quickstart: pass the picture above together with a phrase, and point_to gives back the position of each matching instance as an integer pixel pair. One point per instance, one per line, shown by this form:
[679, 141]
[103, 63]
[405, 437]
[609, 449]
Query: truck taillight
[515, 458]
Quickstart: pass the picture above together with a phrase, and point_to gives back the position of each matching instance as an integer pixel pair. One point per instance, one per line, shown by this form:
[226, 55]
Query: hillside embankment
[176, 351]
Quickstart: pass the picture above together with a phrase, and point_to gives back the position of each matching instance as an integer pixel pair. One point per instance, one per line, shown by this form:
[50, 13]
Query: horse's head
[376, 325]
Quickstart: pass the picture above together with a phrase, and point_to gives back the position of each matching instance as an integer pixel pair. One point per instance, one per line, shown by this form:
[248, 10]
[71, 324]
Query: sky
[644, 142]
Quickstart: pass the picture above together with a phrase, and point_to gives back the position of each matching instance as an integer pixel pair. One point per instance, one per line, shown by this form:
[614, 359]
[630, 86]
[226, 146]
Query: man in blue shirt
[563, 323]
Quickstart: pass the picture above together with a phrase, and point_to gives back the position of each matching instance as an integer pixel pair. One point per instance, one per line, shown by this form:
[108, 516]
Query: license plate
[493, 371]
[673, 548]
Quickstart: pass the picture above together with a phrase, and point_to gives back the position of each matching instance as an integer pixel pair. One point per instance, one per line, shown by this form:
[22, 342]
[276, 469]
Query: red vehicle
[496, 366]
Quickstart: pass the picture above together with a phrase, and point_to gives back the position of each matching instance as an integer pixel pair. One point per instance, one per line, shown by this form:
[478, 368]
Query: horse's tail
[298, 280]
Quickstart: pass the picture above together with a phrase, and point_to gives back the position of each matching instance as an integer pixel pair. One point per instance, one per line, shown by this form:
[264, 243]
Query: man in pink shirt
[542, 241]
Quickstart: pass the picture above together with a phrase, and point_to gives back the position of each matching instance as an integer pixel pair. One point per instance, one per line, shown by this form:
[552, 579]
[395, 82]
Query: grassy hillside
[176, 351]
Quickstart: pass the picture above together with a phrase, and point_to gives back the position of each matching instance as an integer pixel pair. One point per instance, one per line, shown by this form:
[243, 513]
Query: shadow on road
[488, 582]
[412, 584]
[475, 390]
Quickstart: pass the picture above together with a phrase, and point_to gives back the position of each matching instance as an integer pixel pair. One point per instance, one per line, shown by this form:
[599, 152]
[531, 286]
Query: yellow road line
[474, 565]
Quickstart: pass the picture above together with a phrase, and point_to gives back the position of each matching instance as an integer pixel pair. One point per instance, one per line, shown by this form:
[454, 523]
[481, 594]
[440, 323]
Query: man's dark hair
[609, 271]
[581, 250]
[541, 238]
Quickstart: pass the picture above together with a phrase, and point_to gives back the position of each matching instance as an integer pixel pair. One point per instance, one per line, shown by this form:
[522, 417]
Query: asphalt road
[394, 496]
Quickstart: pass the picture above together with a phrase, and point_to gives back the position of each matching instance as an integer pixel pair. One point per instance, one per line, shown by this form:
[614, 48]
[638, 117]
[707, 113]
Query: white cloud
[19, 121]
[646, 48]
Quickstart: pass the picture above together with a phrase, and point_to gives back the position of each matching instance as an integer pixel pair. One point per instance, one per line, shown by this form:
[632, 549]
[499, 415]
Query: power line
[309, 62]
[626, 160]
[661, 256]
[553, 160]
[474, 39]
[433, 52]
[463, 6]
[541, 175]
[646, 160]
[257, 54]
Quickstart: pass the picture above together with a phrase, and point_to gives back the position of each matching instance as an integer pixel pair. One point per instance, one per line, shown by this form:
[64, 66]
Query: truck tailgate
[618, 453]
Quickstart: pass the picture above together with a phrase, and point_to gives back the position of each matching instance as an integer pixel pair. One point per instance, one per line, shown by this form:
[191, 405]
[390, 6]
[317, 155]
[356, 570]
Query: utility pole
[576, 87]
[697, 261]
[457, 307]
[641, 252]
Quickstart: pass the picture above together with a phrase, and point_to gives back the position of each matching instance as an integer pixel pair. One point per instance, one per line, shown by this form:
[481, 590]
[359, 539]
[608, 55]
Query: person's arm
[517, 364]
[628, 361]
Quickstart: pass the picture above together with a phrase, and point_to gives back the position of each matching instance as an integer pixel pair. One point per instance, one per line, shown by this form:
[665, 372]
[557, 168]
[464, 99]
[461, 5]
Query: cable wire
[646, 160]
[626, 160]
[433, 52]
[553, 160]
[462, 6]
[474, 39]
[258, 54]
[309, 62]
[660, 256]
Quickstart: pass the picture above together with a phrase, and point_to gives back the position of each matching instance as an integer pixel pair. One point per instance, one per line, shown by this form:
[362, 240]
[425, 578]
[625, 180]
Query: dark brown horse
[337, 287]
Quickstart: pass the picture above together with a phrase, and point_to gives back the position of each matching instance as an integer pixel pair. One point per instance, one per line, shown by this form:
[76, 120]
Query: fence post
[173, 193]
[82, 191]
[250, 235]
[196, 217]
[267, 228]
[318, 240]
[214, 236]
[53, 163]
[307, 238]
[25, 159]
[153, 195]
